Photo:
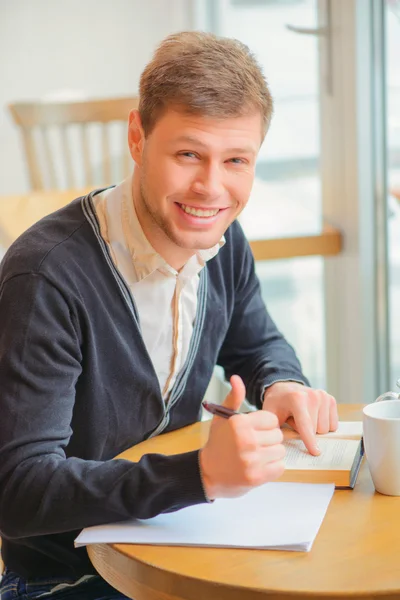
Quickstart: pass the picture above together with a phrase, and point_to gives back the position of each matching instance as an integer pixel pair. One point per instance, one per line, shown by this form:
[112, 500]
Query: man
[115, 310]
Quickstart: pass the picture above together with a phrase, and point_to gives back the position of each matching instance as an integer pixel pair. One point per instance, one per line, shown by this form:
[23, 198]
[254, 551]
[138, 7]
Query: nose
[208, 181]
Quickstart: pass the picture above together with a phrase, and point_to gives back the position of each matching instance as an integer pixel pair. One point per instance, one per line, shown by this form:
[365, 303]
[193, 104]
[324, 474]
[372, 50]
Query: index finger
[304, 426]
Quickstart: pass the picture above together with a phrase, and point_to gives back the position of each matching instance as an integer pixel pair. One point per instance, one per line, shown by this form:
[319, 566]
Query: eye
[237, 161]
[188, 154]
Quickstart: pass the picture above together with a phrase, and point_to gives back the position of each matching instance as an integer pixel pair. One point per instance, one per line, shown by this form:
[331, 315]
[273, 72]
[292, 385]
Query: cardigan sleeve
[43, 491]
[253, 347]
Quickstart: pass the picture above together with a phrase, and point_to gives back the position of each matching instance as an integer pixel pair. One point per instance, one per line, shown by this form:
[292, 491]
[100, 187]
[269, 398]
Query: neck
[173, 255]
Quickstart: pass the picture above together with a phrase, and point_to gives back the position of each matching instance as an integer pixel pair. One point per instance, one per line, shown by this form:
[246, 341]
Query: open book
[338, 463]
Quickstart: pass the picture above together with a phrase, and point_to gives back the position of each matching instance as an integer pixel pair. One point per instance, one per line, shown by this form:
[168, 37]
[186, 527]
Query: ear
[135, 136]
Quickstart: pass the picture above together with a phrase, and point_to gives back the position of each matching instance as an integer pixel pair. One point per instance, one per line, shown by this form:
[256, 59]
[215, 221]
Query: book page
[337, 454]
[349, 430]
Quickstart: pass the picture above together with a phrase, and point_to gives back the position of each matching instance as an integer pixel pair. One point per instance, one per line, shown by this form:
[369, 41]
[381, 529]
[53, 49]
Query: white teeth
[197, 212]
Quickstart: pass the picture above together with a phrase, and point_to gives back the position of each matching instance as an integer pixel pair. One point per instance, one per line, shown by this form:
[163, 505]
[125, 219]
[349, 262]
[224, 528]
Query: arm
[41, 490]
[257, 351]
[253, 347]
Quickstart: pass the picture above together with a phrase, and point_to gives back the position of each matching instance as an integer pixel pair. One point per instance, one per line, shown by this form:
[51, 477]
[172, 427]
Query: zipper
[90, 214]
[179, 386]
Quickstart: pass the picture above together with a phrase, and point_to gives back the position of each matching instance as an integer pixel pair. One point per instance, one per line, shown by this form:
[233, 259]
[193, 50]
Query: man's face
[196, 175]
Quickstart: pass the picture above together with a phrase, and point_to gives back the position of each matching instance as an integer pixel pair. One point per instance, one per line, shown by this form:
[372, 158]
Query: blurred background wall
[74, 49]
[331, 156]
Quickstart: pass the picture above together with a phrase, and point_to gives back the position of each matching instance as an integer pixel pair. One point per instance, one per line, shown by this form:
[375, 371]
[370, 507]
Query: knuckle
[281, 451]
[246, 441]
[274, 471]
[270, 472]
[277, 452]
[300, 397]
[279, 468]
[274, 421]
[313, 398]
[274, 437]
[250, 477]
[258, 479]
[247, 462]
[271, 420]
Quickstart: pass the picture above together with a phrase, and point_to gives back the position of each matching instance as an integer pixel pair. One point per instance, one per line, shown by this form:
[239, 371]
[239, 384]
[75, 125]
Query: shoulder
[236, 251]
[232, 267]
[235, 235]
[50, 244]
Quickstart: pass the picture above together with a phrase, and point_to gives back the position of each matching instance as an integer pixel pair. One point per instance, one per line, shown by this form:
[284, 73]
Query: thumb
[237, 394]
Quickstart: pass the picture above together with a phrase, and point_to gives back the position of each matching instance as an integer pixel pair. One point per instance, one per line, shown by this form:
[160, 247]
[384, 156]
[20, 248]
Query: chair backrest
[75, 144]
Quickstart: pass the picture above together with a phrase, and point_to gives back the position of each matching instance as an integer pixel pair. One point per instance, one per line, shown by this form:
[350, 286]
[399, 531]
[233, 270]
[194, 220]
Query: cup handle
[388, 396]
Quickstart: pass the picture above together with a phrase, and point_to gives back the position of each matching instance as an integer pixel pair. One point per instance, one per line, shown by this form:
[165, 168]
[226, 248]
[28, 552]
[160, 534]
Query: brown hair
[204, 74]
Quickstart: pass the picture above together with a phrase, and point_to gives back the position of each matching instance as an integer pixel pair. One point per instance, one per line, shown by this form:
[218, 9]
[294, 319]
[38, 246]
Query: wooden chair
[75, 144]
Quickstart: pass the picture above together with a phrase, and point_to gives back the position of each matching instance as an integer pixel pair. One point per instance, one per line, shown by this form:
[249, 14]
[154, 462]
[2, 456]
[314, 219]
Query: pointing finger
[305, 428]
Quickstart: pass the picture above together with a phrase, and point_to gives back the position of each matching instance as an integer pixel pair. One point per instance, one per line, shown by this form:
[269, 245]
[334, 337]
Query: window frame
[354, 190]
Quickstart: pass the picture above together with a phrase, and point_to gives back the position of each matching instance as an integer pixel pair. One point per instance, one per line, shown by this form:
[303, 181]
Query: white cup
[381, 433]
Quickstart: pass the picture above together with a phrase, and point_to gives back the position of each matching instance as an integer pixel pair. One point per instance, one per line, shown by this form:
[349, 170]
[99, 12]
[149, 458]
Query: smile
[199, 212]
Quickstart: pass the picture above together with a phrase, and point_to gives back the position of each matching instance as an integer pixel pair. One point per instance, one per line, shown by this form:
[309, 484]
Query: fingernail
[318, 449]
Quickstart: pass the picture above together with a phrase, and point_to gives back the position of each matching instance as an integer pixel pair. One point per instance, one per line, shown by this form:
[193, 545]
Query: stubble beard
[160, 225]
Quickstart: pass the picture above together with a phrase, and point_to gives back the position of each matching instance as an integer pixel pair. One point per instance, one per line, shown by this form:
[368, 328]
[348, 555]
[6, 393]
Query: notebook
[275, 516]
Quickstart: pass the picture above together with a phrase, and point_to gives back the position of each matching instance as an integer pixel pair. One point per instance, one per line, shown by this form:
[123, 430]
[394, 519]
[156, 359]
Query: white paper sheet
[278, 516]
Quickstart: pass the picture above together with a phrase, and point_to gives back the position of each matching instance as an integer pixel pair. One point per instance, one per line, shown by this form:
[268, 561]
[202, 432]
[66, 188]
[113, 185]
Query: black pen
[219, 411]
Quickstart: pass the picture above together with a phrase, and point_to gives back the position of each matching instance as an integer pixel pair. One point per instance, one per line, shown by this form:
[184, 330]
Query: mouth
[202, 213]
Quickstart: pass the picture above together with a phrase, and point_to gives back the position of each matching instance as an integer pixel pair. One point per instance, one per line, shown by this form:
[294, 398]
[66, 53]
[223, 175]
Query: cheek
[156, 181]
[240, 189]
[172, 179]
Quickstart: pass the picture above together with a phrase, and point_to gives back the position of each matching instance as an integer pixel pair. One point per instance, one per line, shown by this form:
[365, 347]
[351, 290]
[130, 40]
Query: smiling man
[194, 177]
[114, 312]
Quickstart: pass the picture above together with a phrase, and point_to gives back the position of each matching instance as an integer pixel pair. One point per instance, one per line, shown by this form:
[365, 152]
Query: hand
[308, 411]
[241, 452]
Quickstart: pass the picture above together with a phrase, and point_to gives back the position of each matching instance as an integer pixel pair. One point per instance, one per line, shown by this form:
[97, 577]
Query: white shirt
[166, 300]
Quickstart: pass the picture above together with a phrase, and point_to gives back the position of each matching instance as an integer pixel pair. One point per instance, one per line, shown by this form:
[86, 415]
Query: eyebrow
[192, 140]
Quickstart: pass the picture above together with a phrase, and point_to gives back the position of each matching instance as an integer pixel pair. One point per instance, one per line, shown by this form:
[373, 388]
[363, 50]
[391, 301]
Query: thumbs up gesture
[243, 451]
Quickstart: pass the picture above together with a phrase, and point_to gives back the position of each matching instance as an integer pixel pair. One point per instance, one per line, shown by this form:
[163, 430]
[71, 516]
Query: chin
[198, 243]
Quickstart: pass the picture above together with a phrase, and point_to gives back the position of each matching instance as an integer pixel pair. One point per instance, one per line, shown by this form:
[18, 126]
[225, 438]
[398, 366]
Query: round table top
[355, 554]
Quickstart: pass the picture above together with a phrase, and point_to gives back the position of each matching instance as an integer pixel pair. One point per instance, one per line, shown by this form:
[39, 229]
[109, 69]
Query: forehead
[177, 127]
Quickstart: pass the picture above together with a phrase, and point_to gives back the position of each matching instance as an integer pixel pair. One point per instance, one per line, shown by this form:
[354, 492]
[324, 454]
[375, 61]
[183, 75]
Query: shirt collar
[145, 259]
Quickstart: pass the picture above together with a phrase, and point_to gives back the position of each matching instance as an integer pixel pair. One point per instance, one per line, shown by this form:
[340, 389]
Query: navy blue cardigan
[77, 386]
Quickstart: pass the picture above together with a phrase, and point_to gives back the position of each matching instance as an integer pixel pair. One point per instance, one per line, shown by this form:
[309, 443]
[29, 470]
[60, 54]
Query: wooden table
[17, 213]
[356, 553]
